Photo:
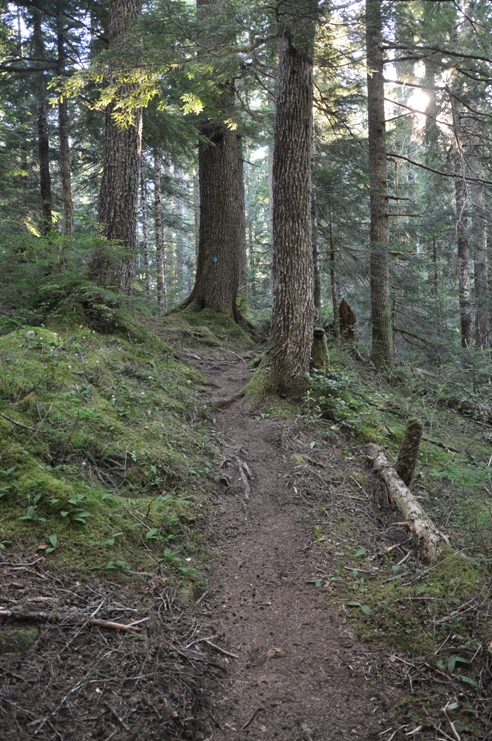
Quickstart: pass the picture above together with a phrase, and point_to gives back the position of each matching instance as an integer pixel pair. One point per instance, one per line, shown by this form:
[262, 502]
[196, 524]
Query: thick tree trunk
[219, 244]
[379, 261]
[243, 260]
[159, 235]
[221, 222]
[409, 451]
[293, 287]
[464, 286]
[118, 199]
[287, 358]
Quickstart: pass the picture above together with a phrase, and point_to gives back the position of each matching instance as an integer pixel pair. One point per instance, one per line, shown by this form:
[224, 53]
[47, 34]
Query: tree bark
[159, 235]
[64, 132]
[463, 247]
[118, 199]
[479, 242]
[379, 261]
[145, 227]
[316, 266]
[219, 243]
[221, 219]
[287, 358]
[42, 129]
[409, 451]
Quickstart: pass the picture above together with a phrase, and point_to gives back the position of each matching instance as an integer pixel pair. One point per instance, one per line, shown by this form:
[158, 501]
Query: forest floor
[316, 620]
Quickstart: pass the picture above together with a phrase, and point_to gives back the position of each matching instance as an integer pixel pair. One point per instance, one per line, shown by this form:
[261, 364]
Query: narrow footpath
[292, 675]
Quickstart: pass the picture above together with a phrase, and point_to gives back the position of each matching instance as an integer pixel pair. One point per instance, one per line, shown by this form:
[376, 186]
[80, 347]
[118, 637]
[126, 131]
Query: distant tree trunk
[379, 262]
[64, 131]
[42, 129]
[287, 358]
[159, 235]
[118, 199]
[464, 286]
[316, 267]
[145, 227]
[479, 241]
[243, 261]
[196, 210]
[333, 283]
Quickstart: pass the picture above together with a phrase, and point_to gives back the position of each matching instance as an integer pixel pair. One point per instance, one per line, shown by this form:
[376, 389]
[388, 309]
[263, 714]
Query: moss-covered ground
[109, 457]
[106, 450]
[432, 621]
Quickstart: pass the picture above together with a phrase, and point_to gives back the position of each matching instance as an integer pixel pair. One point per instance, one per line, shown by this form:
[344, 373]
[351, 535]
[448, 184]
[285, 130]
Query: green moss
[104, 446]
[260, 386]
[15, 640]
[414, 615]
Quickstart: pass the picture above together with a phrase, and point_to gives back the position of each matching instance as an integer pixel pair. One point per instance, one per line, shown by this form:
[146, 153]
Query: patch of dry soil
[295, 676]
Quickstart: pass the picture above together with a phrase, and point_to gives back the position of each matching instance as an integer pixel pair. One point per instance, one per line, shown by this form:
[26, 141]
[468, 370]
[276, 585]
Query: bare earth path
[295, 677]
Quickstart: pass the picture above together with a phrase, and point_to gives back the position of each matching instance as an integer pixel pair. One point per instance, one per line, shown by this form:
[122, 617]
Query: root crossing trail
[297, 676]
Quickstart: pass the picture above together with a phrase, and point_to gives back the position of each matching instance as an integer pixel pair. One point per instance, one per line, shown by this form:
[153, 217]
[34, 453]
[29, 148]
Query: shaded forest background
[63, 76]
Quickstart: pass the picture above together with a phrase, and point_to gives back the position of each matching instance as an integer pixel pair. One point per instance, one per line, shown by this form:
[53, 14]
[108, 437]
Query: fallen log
[426, 535]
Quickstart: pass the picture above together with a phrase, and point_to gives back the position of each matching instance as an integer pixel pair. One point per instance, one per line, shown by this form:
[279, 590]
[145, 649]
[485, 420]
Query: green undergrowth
[454, 474]
[106, 450]
[433, 622]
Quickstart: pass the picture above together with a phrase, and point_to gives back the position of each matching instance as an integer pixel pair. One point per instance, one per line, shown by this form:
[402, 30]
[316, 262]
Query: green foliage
[328, 398]
[98, 447]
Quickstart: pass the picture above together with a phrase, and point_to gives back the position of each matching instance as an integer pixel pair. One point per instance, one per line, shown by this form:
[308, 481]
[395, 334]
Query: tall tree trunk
[219, 244]
[118, 199]
[287, 359]
[316, 267]
[145, 227]
[479, 242]
[333, 282]
[379, 261]
[464, 285]
[159, 235]
[243, 262]
[63, 132]
[220, 224]
[42, 129]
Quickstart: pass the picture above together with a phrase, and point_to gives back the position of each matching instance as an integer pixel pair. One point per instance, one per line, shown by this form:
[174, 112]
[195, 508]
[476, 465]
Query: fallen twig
[56, 617]
[252, 717]
[246, 476]
[221, 650]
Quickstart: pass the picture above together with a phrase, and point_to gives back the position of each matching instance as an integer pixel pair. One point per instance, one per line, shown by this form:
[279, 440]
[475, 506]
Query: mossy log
[409, 451]
[425, 534]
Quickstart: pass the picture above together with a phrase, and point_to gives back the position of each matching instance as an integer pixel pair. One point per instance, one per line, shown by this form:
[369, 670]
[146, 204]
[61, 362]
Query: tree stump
[320, 359]
[409, 451]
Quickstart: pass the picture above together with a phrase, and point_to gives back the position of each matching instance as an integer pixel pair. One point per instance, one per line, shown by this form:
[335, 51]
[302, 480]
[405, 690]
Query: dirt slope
[296, 676]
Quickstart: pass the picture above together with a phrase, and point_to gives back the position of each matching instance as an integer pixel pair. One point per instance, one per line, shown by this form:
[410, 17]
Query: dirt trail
[297, 676]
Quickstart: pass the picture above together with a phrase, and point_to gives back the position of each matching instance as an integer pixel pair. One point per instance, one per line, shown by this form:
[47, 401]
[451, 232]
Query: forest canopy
[114, 118]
